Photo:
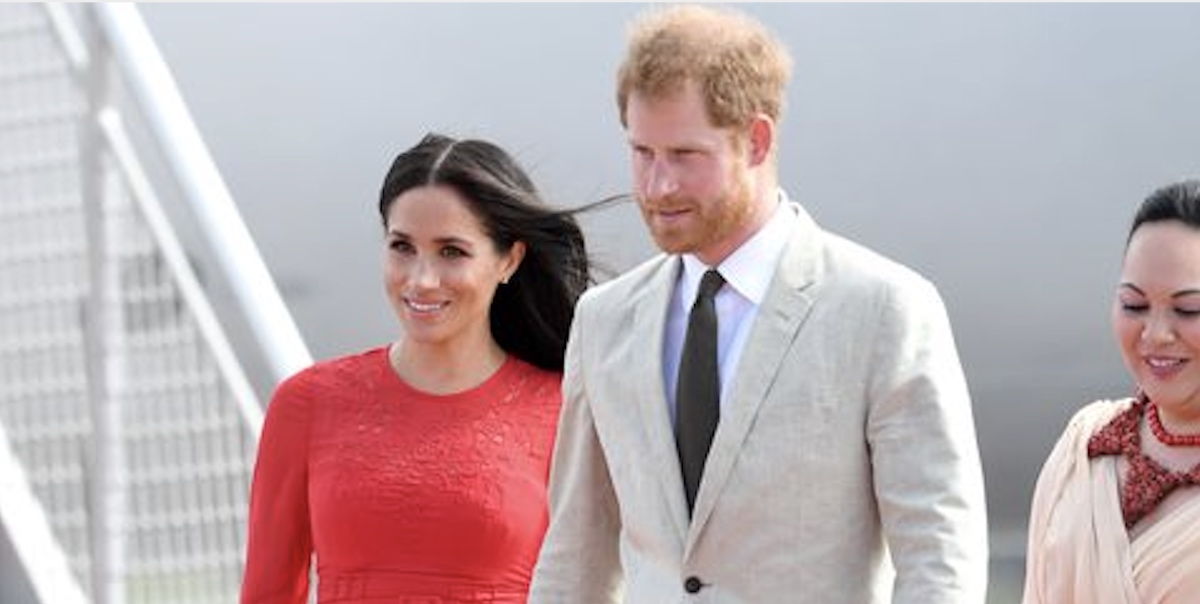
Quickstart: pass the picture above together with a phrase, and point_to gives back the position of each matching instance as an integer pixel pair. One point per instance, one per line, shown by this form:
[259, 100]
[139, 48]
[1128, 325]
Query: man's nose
[661, 180]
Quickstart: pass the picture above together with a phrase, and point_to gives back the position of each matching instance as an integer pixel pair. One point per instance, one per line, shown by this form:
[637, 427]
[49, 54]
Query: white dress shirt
[747, 272]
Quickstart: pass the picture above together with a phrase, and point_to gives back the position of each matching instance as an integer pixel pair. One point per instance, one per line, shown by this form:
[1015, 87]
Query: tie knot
[710, 283]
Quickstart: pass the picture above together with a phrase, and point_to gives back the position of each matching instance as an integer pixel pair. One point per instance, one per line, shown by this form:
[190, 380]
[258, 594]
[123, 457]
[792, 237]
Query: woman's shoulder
[1094, 416]
[534, 396]
[533, 375]
[1073, 447]
[332, 373]
[531, 384]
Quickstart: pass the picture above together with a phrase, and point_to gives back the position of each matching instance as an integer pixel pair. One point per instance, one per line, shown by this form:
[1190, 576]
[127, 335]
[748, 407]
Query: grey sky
[998, 148]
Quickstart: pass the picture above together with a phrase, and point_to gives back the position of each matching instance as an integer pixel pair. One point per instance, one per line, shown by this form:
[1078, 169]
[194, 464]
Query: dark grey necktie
[698, 392]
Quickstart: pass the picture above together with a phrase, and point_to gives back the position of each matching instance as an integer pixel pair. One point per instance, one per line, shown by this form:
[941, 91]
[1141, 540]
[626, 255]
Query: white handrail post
[179, 140]
[102, 334]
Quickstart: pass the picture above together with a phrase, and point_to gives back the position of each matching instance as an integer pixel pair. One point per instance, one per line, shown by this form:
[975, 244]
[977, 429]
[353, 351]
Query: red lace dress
[404, 496]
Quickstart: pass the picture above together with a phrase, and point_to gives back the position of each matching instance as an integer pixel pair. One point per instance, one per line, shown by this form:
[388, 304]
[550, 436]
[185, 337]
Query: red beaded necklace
[1166, 438]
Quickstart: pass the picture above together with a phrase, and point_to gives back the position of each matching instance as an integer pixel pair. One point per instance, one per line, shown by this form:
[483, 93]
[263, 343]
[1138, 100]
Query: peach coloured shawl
[1079, 551]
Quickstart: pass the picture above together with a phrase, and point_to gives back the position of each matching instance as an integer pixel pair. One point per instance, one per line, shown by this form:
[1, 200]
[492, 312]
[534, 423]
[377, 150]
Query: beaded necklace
[1147, 482]
[1166, 438]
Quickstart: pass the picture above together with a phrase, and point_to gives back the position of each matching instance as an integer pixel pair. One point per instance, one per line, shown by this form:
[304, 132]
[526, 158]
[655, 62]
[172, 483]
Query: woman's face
[1156, 316]
[441, 269]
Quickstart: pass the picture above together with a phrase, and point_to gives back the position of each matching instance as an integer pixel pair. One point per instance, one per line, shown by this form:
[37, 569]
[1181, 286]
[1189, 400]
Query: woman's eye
[1133, 309]
[1188, 312]
[453, 252]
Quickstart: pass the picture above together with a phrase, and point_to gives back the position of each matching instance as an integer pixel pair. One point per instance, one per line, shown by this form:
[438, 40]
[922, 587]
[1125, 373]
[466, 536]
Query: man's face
[690, 177]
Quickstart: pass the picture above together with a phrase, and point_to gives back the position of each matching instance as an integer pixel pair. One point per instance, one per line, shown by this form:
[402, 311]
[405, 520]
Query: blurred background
[1000, 149]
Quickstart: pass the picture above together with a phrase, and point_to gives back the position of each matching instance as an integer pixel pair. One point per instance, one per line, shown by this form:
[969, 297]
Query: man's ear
[762, 138]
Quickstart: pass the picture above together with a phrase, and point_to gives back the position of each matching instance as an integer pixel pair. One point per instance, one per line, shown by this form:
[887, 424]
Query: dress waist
[412, 588]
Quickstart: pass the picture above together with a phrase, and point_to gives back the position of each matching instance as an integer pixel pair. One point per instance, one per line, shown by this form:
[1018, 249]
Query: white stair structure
[130, 388]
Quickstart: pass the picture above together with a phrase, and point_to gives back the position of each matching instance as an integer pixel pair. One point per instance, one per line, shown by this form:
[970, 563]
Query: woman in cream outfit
[1116, 511]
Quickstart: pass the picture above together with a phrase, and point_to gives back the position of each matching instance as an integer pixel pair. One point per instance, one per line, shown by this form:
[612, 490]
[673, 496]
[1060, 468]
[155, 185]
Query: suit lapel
[783, 310]
[649, 325]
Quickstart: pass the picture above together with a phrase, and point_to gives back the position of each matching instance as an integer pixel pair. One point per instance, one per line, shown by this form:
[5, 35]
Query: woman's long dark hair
[531, 315]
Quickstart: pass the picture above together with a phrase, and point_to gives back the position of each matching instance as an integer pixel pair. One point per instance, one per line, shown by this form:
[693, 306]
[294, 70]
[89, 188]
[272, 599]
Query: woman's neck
[445, 369]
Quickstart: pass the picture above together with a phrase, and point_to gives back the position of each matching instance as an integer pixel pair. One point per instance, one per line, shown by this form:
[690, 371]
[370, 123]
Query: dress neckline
[510, 365]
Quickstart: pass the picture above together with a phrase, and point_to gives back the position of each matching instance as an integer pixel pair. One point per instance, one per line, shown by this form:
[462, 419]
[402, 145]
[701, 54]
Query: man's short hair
[739, 66]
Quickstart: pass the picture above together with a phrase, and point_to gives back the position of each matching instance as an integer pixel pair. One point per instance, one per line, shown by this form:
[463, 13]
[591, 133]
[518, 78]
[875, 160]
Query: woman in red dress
[416, 472]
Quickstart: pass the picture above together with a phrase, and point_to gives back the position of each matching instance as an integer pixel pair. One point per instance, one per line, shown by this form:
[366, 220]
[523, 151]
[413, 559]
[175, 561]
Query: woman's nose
[1158, 329]
[424, 274]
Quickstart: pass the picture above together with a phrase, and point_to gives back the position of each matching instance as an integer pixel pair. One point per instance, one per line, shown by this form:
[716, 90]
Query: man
[844, 466]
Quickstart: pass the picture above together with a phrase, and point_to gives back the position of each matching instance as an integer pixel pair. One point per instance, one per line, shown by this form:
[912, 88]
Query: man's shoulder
[622, 288]
[835, 260]
[853, 257]
[857, 274]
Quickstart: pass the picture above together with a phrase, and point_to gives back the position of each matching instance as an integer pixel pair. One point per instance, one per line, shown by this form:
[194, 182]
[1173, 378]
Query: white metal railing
[125, 413]
[24, 521]
[158, 98]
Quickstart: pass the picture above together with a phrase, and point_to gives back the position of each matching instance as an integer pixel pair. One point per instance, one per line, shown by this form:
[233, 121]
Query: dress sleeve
[279, 542]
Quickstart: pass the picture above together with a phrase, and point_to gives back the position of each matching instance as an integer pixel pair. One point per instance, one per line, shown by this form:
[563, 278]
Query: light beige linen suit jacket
[845, 469]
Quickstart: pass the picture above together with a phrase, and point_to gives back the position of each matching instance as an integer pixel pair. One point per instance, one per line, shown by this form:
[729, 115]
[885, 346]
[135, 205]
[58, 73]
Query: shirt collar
[751, 266]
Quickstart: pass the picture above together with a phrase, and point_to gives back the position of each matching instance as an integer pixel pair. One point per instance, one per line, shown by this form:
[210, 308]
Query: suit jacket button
[692, 585]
